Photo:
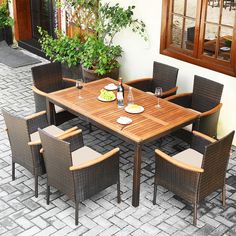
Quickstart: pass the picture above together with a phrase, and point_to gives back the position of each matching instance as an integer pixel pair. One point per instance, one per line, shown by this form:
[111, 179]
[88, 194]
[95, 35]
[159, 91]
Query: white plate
[225, 49]
[134, 111]
[110, 87]
[104, 100]
[123, 120]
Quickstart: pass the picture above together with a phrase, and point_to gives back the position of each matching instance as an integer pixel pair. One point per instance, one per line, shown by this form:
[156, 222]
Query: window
[202, 32]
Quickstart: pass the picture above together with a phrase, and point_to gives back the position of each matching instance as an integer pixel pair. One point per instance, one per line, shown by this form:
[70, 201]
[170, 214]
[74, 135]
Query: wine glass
[79, 85]
[158, 94]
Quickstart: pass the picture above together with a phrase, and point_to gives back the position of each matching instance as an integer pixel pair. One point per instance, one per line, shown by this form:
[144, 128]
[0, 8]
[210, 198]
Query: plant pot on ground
[6, 23]
[99, 60]
[99, 24]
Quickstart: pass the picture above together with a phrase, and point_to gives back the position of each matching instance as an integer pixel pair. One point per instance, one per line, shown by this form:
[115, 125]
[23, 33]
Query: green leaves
[62, 49]
[5, 19]
[95, 54]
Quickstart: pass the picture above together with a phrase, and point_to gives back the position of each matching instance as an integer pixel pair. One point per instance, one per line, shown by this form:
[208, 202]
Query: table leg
[50, 112]
[136, 174]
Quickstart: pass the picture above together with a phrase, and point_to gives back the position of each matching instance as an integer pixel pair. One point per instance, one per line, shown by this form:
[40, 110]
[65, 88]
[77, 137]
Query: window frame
[196, 58]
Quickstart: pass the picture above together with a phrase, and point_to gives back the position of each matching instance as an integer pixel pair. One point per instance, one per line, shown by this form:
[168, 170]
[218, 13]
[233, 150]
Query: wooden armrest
[95, 161]
[175, 162]
[178, 96]
[70, 134]
[166, 93]
[39, 92]
[212, 111]
[137, 81]
[204, 136]
[32, 116]
[60, 136]
[69, 80]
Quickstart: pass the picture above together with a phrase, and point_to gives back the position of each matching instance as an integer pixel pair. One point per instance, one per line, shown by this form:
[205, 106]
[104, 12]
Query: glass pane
[177, 25]
[213, 11]
[189, 34]
[228, 14]
[191, 8]
[225, 43]
[209, 46]
[178, 6]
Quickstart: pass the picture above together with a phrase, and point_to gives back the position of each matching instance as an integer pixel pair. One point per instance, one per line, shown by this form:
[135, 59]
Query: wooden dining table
[146, 126]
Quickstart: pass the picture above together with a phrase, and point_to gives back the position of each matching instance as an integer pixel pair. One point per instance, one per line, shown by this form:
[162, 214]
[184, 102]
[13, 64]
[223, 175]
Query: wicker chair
[196, 172]
[48, 78]
[205, 99]
[77, 170]
[164, 76]
[25, 142]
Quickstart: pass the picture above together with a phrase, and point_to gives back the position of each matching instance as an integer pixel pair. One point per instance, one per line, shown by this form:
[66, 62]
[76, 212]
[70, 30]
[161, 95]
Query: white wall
[139, 56]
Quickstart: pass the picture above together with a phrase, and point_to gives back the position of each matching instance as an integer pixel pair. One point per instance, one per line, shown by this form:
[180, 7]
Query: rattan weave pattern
[164, 76]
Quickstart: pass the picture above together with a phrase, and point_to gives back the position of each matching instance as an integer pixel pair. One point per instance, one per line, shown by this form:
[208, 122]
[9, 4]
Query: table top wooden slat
[150, 123]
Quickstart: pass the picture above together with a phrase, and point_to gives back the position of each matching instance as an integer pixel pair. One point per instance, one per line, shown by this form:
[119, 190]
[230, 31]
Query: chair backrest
[215, 161]
[57, 158]
[164, 76]
[19, 137]
[48, 77]
[206, 94]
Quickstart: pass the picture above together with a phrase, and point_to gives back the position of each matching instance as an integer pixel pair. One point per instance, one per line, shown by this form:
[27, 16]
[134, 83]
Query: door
[42, 14]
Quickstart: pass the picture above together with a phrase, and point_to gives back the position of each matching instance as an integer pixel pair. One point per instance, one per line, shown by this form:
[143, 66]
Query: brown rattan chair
[48, 78]
[77, 170]
[25, 142]
[205, 99]
[164, 76]
[195, 173]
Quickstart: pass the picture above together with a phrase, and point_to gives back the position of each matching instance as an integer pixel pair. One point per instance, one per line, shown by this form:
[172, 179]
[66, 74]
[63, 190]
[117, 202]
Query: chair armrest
[142, 84]
[35, 115]
[69, 80]
[169, 92]
[66, 134]
[67, 83]
[212, 111]
[39, 92]
[182, 99]
[204, 136]
[97, 160]
[180, 95]
[177, 163]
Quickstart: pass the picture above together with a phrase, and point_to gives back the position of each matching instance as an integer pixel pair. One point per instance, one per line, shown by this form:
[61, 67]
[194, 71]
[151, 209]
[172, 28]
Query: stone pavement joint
[23, 214]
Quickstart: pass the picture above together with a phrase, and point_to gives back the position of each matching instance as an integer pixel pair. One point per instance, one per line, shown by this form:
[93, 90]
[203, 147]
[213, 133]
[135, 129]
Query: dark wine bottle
[120, 94]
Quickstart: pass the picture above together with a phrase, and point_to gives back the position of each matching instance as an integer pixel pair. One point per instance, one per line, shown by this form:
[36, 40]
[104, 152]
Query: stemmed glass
[158, 94]
[79, 85]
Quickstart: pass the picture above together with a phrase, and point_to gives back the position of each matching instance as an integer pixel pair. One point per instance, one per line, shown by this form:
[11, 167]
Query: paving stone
[23, 214]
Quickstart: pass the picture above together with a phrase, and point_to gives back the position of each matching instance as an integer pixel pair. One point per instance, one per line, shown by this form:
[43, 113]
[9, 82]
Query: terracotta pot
[90, 75]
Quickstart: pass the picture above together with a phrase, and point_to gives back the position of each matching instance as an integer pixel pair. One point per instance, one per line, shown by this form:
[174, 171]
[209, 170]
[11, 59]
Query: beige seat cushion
[190, 157]
[52, 129]
[83, 155]
[58, 109]
[188, 128]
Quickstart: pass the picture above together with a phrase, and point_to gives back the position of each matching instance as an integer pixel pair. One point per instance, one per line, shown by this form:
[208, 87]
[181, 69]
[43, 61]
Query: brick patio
[23, 214]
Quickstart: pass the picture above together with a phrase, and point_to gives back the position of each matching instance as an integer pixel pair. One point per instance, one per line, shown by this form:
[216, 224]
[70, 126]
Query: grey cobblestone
[23, 214]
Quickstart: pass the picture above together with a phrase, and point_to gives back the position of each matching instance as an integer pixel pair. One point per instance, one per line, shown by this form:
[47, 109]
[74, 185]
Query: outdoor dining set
[39, 145]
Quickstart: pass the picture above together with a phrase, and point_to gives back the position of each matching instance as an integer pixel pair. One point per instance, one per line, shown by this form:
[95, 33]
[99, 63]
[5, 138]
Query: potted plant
[6, 23]
[63, 49]
[99, 24]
